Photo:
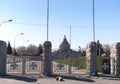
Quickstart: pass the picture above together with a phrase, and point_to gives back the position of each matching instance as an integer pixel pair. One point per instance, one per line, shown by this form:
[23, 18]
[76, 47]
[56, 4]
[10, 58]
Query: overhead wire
[34, 24]
[66, 26]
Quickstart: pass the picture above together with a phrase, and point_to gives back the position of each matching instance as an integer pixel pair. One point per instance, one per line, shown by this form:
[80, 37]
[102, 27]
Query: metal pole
[94, 57]
[15, 39]
[70, 37]
[47, 19]
[93, 22]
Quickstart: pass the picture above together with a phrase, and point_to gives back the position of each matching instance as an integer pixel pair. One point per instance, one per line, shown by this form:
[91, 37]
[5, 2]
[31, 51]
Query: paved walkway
[52, 80]
[67, 81]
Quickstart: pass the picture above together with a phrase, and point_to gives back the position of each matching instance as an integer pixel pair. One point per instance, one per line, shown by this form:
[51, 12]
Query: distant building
[65, 51]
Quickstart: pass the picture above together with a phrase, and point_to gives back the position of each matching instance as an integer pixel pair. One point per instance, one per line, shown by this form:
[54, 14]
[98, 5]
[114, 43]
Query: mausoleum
[65, 50]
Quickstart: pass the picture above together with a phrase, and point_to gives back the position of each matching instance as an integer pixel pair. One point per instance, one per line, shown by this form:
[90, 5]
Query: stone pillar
[47, 58]
[91, 59]
[115, 58]
[3, 56]
[23, 65]
[69, 65]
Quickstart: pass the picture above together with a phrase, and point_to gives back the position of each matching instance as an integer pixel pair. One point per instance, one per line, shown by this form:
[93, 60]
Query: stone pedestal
[91, 59]
[115, 58]
[47, 58]
[3, 51]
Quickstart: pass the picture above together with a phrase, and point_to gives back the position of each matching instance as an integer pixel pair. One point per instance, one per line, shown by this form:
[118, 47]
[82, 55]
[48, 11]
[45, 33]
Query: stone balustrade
[91, 58]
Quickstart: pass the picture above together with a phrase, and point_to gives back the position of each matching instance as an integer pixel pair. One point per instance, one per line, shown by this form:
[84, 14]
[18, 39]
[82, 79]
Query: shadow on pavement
[84, 79]
[109, 77]
[20, 78]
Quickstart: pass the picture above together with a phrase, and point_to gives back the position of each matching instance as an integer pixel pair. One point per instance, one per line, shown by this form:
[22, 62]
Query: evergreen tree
[9, 49]
[15, 52]
[100, 50]
[40, 49]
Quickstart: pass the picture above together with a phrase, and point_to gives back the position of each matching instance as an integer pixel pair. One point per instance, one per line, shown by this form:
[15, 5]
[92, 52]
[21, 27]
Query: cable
[27, 23]
[49, 25]
[73, 26]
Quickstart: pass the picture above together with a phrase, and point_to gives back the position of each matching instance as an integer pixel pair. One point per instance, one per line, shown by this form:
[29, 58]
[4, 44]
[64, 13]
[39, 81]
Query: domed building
[65, 50]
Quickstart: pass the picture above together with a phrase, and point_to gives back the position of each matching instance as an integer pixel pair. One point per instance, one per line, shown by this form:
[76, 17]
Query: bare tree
[106, 48]
[21, 50]
[32, 49]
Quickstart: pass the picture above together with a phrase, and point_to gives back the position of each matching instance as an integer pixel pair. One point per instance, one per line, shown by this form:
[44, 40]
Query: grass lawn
[82, 61]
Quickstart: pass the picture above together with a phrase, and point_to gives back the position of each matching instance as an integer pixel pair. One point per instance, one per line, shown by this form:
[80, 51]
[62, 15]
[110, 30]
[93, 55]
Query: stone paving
[66, 80]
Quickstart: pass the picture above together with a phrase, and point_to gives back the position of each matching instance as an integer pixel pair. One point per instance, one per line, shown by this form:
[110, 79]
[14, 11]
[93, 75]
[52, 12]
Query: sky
[30, 17]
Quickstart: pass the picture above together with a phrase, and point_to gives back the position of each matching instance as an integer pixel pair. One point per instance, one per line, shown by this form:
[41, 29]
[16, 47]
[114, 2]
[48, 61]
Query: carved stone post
[115, 58]
[3, 56]
[47, 58]
[91, 59]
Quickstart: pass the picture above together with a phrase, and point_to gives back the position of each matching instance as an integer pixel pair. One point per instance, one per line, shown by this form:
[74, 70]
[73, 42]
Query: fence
[47, 65]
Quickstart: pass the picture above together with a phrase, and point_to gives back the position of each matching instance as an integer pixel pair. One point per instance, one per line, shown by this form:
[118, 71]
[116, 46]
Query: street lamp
[22, 51]
[25, 41]
[14, 42]
[5, 21]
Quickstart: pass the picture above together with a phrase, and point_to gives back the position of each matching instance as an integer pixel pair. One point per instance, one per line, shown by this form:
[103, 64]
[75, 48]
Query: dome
[64, 46]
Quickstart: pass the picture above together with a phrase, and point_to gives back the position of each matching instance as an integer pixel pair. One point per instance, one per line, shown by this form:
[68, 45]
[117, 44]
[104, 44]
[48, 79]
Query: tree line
[22, 50]
[102, 50]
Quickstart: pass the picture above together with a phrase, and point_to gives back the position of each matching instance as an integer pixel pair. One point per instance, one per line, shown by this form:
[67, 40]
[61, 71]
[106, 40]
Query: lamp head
[21, 33]
[10, 20]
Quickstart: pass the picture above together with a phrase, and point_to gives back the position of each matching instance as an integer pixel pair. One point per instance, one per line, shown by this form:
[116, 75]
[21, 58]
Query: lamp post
[14, 42]
[5, 21]
[22, 51]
